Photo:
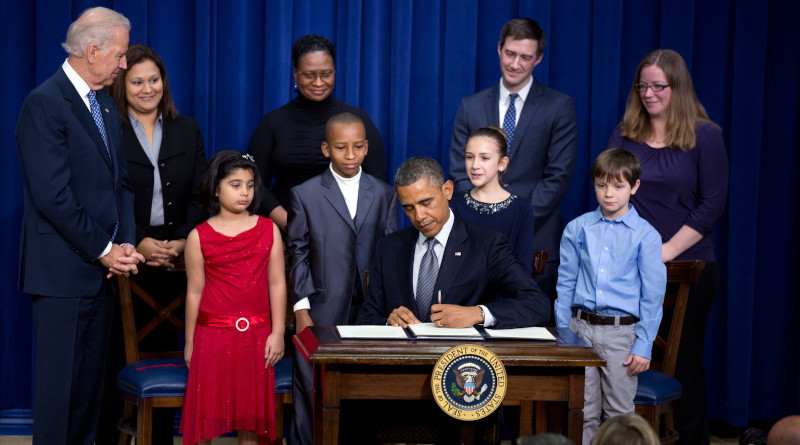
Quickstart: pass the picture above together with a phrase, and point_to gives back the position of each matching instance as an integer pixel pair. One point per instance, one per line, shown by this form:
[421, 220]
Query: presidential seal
[469, 382]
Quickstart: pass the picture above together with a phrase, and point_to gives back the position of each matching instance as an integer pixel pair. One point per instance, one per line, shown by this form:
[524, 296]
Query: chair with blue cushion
[658, 389]
[158, 379]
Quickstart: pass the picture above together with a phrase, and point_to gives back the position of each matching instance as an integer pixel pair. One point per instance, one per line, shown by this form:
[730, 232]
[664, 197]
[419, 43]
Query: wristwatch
[483, 316]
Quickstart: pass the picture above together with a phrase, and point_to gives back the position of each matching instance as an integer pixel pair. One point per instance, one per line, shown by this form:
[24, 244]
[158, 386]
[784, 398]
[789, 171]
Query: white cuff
[106, 251]
[302, 304]
[488, 318]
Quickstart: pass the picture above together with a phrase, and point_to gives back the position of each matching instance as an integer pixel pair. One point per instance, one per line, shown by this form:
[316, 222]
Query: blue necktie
[428, 272]
[98, 119]
[510, 121]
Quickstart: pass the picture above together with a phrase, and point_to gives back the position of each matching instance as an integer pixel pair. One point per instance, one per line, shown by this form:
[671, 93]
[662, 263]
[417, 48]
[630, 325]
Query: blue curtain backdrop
[409, 63]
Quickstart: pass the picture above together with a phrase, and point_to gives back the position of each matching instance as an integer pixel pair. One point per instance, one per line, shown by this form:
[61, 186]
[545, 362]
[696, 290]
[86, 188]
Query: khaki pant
[609, 390]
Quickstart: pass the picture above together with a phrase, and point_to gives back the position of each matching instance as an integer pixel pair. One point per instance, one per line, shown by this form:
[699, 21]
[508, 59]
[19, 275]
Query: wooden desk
[370, 369]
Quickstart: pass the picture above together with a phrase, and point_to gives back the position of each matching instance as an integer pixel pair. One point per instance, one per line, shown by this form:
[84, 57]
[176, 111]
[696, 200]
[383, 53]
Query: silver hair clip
[249, 157]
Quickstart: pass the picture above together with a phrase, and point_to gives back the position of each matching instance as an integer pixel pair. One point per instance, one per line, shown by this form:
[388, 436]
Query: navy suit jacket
[72, 191]
[477, 266]
[542, 154]
[328, 250]
[181, 163]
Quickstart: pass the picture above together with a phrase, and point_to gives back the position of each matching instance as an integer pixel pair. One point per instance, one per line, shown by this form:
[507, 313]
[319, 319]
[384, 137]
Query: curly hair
[310, 43]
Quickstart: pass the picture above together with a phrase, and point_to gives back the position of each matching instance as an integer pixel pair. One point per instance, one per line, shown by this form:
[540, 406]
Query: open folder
[427, 331]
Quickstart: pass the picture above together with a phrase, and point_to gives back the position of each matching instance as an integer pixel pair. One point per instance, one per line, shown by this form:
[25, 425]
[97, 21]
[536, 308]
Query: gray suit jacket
[328, 250]
[542, 154]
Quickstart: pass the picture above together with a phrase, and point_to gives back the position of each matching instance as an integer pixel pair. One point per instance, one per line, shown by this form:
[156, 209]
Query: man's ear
[447, 189]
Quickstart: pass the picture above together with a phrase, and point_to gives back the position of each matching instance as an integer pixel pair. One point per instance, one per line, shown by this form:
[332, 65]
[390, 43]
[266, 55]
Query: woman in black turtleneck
[286, 143]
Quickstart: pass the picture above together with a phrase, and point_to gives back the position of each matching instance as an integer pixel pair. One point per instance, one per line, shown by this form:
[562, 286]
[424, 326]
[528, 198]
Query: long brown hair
[139, 53]
[685, 110]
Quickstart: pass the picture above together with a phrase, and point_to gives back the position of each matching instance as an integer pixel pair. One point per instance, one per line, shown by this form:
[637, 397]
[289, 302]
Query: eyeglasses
[656, 87]
[312, 77]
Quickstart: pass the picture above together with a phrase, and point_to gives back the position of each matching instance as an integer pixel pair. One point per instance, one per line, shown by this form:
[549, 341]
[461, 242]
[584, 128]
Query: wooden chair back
[129, 291]
[539, 261]
[680, 277]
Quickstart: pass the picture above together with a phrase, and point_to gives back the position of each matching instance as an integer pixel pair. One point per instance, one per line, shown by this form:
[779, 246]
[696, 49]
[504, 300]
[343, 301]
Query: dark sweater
[682, 187]
[286, 146]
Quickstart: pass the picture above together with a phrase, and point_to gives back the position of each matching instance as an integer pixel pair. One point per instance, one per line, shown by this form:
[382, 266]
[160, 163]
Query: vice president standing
[77, 227]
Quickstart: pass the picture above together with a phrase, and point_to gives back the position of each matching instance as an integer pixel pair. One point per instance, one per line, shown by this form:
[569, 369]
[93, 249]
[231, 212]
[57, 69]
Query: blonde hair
[626, 430]
[685, 110]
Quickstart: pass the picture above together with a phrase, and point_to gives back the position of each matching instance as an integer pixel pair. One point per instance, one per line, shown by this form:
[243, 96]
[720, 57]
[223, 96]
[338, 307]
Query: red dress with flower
[229, 387]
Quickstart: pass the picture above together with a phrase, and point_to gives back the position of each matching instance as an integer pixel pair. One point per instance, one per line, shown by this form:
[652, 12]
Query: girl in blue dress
[488, 204]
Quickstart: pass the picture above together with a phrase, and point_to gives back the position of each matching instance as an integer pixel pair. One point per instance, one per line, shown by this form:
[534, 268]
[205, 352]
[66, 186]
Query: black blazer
[542, 154]
[477, 266]
[328, 250]
[181, 163]
[73, 192]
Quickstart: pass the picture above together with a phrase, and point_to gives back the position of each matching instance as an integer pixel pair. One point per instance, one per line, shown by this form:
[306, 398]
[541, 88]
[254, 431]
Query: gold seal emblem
[469, 382]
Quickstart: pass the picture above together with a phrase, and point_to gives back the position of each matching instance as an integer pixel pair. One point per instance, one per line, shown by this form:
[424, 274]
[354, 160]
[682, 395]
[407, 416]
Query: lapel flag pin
[458, 253]
[106, 110]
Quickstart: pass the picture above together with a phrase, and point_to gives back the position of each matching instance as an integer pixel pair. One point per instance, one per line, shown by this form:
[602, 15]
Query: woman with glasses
[683, 194]
[286, 143]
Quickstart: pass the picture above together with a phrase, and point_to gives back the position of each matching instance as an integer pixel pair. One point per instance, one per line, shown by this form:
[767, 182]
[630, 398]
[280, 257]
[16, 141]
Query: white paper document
[388, 332]
[428, 330]
[532, 333]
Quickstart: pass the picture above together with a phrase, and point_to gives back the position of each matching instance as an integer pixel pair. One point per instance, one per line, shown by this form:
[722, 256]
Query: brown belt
[606, 320]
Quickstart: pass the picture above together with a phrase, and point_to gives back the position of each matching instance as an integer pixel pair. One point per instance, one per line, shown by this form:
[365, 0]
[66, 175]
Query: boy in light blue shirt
[611, 285]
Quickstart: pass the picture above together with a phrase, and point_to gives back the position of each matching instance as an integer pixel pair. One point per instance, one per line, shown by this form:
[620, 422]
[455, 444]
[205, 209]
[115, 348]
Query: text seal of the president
[469, 382]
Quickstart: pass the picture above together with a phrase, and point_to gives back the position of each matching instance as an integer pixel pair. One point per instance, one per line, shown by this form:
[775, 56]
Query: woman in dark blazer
[158, 142]
[166, 160]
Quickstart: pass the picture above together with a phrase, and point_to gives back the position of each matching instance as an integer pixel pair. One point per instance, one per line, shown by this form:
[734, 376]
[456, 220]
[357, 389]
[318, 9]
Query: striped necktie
[428, 272]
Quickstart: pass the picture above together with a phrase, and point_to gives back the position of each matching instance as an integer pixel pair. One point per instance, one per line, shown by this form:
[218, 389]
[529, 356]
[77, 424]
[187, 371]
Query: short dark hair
[138, 53]
[220, 167]
[496, 134]
[416, 168]
[310, 43]
[344, 117]
[617, 164]
[521, 29]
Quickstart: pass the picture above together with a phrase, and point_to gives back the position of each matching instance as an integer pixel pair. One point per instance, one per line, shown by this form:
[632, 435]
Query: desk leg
[575, 415]
[326, 406]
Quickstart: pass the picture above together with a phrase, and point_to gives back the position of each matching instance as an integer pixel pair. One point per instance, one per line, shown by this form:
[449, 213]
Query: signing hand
[455, 316]
[636, 364]
[401, 316]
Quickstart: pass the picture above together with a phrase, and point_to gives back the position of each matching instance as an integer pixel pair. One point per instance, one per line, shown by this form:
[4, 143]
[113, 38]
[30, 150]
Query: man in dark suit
[77, 227]
[469, 265]
[542, 131]
[335, 220]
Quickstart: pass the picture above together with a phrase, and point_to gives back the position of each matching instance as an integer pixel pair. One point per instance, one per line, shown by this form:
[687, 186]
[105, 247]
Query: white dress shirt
[438, 249]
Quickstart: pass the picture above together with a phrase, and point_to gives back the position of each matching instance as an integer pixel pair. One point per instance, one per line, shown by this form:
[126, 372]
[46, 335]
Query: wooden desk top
[322, 345]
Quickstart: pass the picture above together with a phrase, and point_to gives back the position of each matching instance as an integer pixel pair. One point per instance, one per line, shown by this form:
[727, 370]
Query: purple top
[682, 187]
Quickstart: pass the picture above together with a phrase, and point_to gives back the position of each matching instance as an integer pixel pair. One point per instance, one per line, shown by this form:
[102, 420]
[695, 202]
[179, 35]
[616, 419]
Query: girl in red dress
[235, 309]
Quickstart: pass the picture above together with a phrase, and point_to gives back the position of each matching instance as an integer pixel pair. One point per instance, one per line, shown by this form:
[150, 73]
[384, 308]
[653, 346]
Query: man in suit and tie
[469, 265]
[542, 133]
[77, 227]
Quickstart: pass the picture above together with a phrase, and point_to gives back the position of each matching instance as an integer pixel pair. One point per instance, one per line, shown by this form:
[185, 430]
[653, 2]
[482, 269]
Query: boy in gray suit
[335, 220]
